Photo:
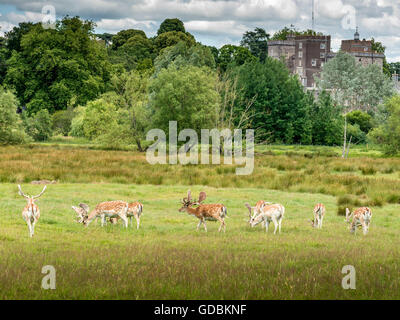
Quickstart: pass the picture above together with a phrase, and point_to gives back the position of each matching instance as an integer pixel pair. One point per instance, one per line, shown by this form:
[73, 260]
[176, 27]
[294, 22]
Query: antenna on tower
[312, 15]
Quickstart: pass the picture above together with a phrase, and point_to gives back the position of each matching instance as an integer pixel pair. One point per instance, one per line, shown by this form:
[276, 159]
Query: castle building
[306, 55]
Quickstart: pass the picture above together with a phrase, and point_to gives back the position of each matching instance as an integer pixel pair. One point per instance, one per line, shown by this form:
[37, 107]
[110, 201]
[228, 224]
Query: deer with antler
[108, 209]
[210, 212]
[319, 213]
[361, 217]
[266, 212]
[31, 213]
[256, 209]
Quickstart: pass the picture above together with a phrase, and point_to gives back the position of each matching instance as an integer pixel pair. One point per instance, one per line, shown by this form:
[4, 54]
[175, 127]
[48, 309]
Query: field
[167, 259]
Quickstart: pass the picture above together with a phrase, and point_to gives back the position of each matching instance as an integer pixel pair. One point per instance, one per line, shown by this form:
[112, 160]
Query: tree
[378, 47]
[257, 42]
[233, 56]
[286, 31]
[388, 133]
[57, 67]
[171, 25]
[182, 54]
[124, 35]
[39, 125]
[327, 121]
[280, 108]
[171, 38]
[133, 52]
[187, 95]
[11, 128]
[354, 86]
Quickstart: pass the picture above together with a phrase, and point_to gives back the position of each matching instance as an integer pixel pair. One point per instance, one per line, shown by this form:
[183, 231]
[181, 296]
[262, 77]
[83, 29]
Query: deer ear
[84, 206]
[248, 207]
[202, 196]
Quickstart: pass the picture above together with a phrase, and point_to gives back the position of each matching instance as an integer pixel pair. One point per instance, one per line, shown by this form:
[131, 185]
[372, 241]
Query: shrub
[11, 129]
[61, 121]
[39, 126]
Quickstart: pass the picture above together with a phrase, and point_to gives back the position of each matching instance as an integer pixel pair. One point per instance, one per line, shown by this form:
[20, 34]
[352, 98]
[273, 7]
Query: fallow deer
[210, 212]
[31, 213]
[269, 212]
[109, 209]
[82, 211]
[135, 209]
[256, 209]
[319, 213]
[360, 217]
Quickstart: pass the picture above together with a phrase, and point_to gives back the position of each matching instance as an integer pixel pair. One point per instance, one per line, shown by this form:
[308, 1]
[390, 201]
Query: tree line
[111, 89]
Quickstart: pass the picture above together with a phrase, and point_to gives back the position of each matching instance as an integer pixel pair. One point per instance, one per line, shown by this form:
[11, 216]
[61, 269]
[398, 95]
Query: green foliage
[39, 125]
[11, 129]
[187, 95]
[124, 35]
[61, 121]
[171, 25]
[362, 119]
[353, 85]
[135, 53]
[279, 107]
[181, 55]
[388, 133]
[171, 38]
[327, 122]
[257, 42]
[56, 66]
[286, 31]
[230, 56]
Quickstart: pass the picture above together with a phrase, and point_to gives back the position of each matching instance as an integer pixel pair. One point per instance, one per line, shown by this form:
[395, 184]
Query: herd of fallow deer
[263, 212]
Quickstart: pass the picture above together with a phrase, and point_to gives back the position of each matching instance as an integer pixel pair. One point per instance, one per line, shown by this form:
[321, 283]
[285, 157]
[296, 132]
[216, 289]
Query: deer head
[251, 209]
[31, 198]
[188, 202]
[82, 211]
[348, 214]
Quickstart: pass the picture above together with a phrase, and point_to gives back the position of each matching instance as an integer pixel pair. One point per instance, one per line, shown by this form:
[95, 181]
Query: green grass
[167, 259]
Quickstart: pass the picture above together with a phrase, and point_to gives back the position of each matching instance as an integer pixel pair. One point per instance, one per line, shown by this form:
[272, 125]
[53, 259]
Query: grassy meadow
[167, 259]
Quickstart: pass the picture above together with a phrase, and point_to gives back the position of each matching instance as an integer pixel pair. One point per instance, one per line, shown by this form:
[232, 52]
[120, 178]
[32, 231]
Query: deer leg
[204, 223]
[130, 219]
[125, 220]
[280, 223]
[199, 224]
[275, 224]
[137, 222]
[222, 224]
[322, 218]
[103, 219]
[28, 222]
[266, 225]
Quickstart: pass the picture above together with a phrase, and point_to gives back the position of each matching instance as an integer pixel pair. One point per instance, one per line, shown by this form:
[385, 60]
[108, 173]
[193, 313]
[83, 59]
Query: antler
[189, 196]
[202, 196]
[44, 189]
[21, 193]
[84, 206]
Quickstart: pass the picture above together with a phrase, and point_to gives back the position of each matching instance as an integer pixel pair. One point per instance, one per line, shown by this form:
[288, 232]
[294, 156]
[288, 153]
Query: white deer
[268, 213]
[31, 213]
[360, 217]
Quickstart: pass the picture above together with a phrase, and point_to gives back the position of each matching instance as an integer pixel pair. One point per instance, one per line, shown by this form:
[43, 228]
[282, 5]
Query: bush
[61, 121]
[11, 129]
[39, 126]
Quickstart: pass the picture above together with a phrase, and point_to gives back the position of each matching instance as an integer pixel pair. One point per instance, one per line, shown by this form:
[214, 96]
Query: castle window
[300, 45]
[322, 55]
[323, 45]
[314, 62]
[300, 54]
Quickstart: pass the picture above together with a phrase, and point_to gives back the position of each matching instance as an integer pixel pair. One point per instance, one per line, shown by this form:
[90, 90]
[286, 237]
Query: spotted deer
[360, 217]
[31, 213]
[268, 213]
[108, 209]
[135, 209]
[82, 211]
[210, 212]
[319, 213]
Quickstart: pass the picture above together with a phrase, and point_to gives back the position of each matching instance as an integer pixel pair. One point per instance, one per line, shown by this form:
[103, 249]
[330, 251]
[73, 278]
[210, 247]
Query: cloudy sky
[218, 22]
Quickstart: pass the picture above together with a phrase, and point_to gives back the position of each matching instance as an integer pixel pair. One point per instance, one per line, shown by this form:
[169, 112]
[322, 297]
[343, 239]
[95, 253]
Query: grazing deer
[203, 212]
[256, 209]
[135, 209]
[319, 213]
[109, 209]
[360, 217]
[82, 211]
[269, 212]
[31, 213]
